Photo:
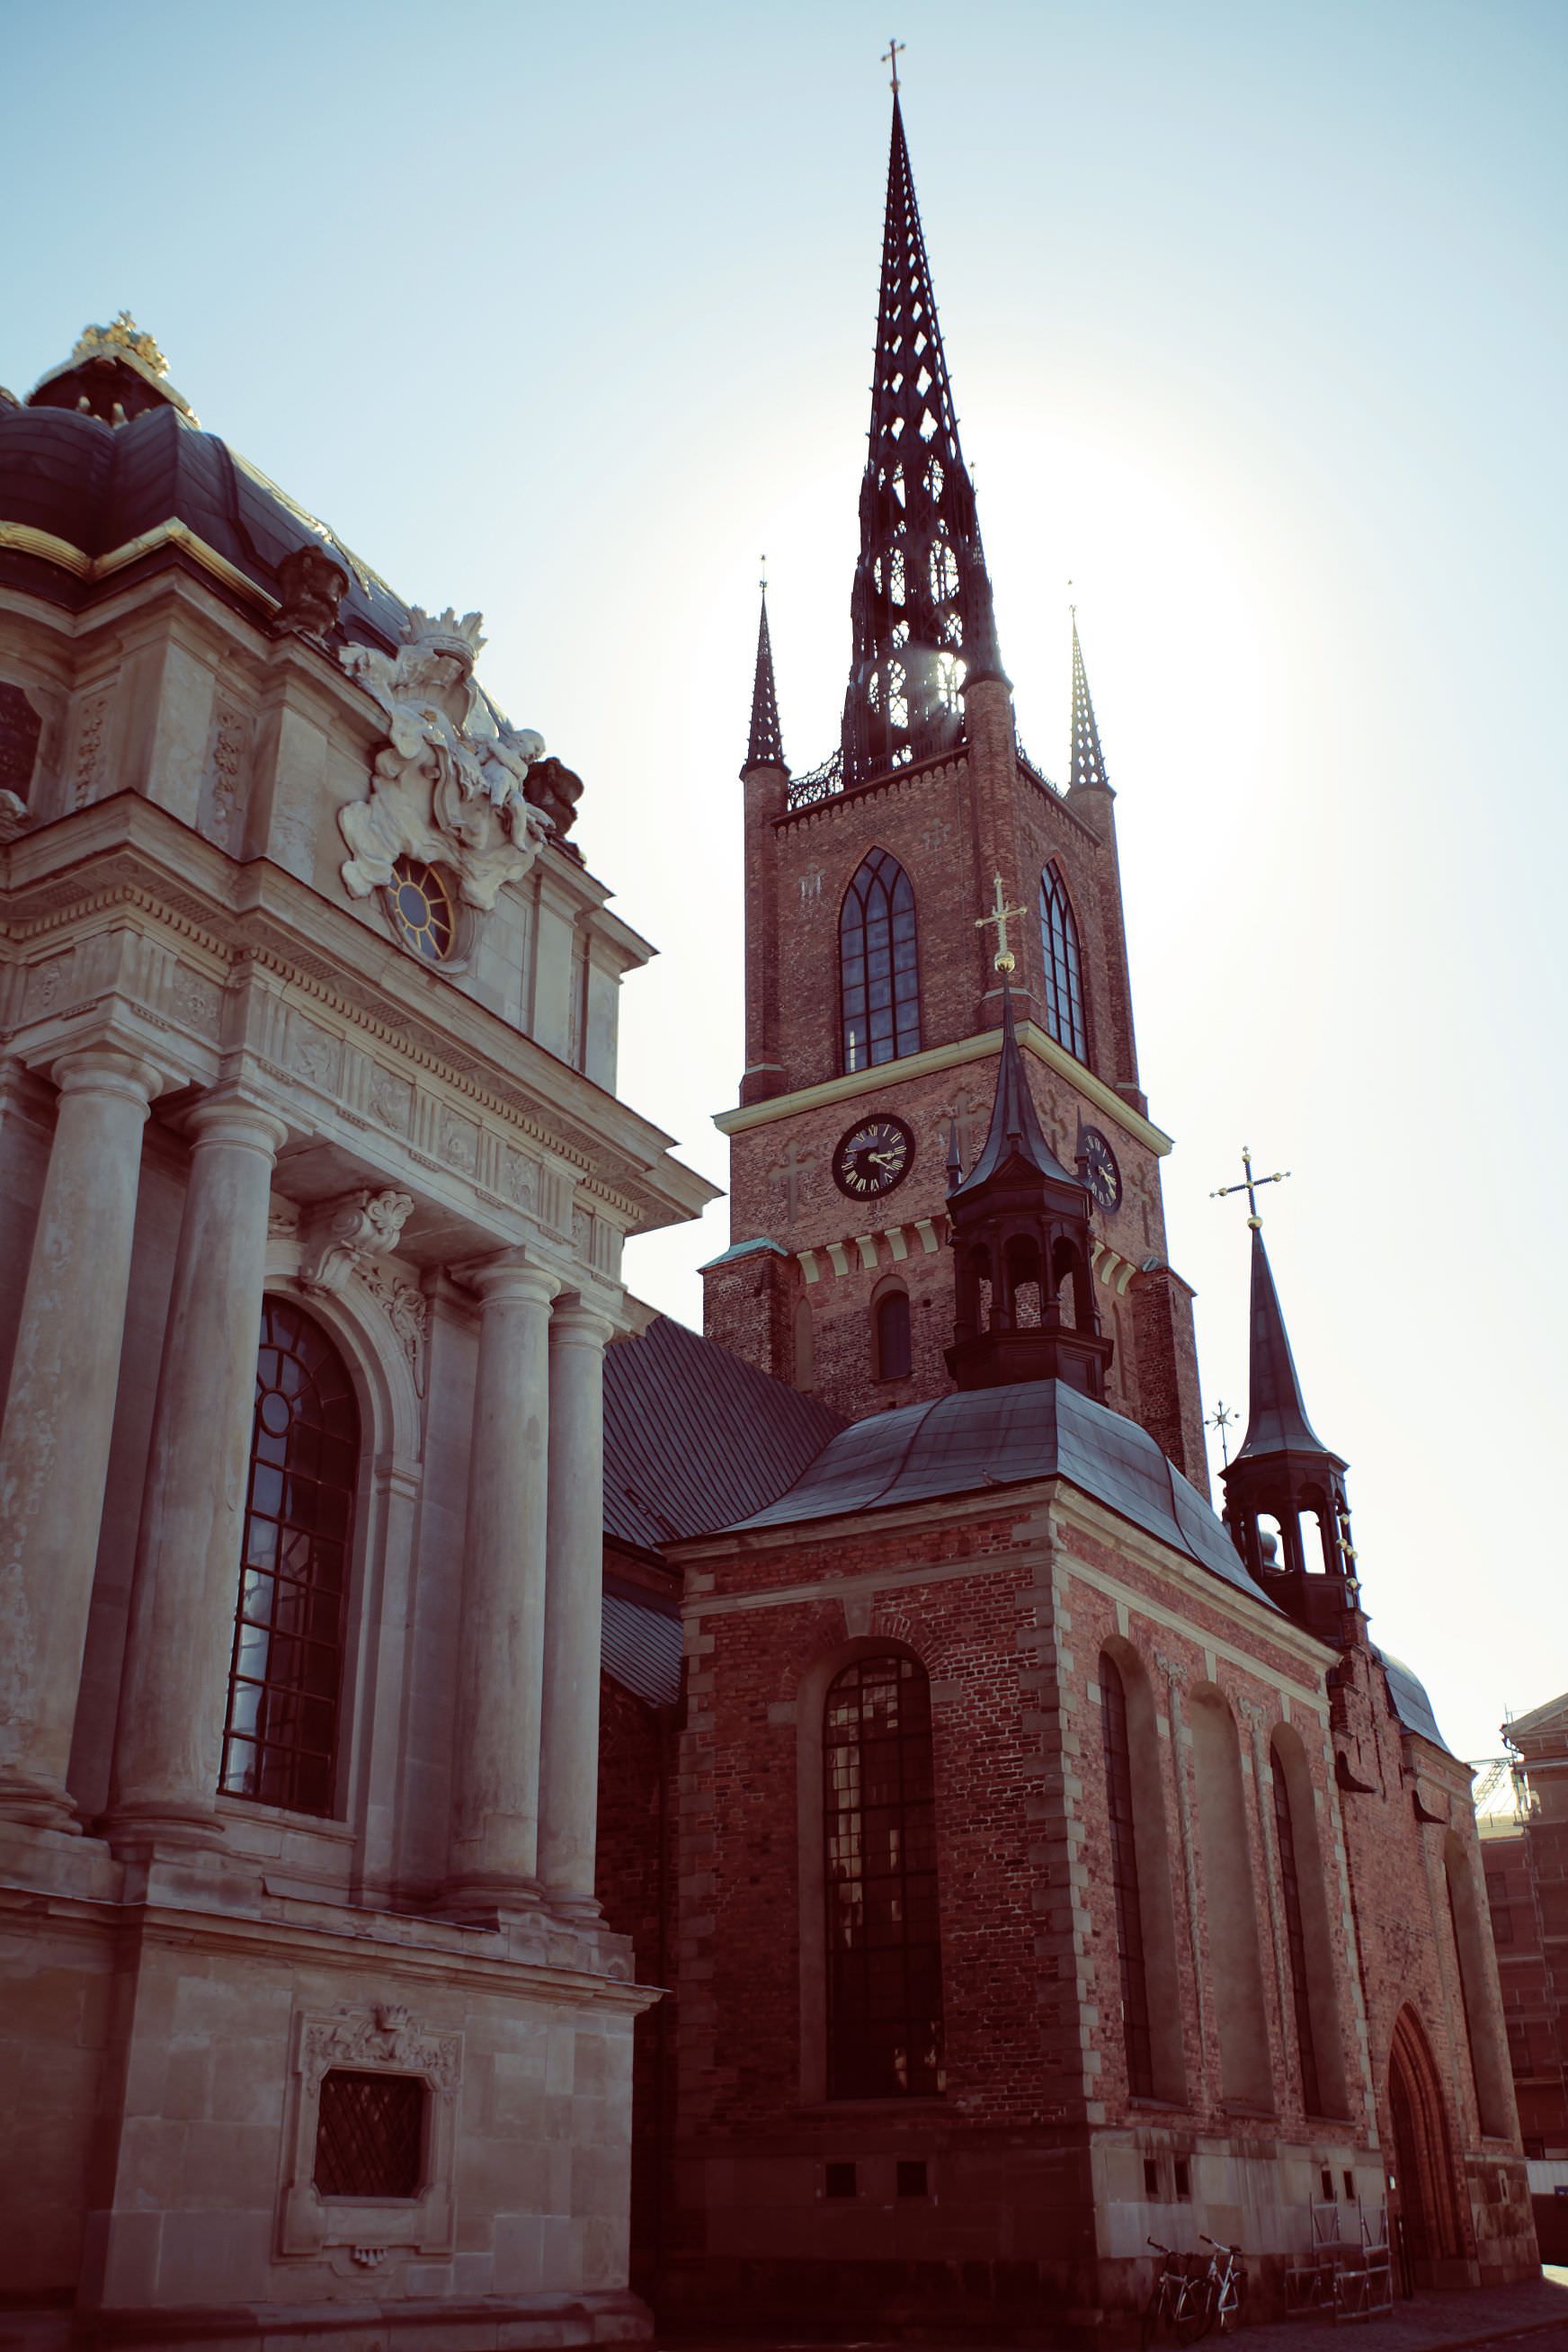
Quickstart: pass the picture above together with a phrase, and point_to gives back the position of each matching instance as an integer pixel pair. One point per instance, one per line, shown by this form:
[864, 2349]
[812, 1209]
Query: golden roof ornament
[121, 338]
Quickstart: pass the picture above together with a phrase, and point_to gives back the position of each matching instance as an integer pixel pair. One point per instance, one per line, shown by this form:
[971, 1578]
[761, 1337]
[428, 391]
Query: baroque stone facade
[315, 1183]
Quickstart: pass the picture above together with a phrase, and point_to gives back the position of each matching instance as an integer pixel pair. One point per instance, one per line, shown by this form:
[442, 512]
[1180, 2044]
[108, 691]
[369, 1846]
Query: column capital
[230, 1116]
[108, 1070]
[576, 1322]
[509, 1279]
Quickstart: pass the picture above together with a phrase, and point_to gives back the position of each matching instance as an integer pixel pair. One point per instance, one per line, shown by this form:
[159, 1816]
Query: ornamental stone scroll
[350, 1233]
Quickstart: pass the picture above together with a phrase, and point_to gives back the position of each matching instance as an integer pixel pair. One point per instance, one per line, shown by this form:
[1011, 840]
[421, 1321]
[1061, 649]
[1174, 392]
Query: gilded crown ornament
[122, 338]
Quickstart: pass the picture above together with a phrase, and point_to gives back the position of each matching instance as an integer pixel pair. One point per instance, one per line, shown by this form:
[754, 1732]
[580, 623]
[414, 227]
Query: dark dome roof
[1005, 1437]
[99, 486]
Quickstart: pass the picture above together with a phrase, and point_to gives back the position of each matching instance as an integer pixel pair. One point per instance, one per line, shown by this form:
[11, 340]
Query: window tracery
[884, 1956]
[1063, 965]
[878, 969]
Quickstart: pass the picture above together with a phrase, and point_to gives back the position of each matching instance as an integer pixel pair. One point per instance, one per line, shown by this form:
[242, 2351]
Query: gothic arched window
[878, 971]
[281, 1737]
[1296, 1941]
[891, 1333]
[1063, 965]
[884, 1952]
[1125, 1882]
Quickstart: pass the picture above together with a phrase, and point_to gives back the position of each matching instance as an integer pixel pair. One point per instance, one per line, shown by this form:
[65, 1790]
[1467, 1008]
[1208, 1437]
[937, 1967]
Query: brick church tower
[873, 1010]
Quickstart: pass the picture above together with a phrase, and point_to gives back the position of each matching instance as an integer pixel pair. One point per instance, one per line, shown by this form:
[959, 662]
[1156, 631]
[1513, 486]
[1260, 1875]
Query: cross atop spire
[765, 748]
[921, 599]
[1087, 760]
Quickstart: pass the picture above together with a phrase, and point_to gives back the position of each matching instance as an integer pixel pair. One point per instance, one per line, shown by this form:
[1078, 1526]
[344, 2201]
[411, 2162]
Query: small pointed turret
[765, 748]
[921, 600]
[1022, 1249]
[1283, 1469]
[1087, 760]
[1276, 1417]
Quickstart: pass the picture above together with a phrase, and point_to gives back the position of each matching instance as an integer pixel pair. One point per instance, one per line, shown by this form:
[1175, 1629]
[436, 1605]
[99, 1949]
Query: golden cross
[1249, 1185]
[890, 58]
[1001, 915]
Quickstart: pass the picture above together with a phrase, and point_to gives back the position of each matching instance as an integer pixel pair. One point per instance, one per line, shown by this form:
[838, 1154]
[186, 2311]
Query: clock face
[873, 1157]
[1101, 1172]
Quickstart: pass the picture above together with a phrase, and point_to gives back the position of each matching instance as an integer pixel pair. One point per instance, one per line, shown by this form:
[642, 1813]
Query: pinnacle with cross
[890, 56]
[1249, 1185]
[1000, 914]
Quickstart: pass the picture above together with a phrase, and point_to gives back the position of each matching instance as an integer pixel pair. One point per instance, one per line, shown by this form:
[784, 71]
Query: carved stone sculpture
[348, 1233]
[450, 785]
[555, 789]
[312, 585]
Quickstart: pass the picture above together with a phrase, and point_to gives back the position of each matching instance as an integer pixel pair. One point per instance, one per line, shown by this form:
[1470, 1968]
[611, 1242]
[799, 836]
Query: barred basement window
[884, 1956]
[1124, 1883]
[1295, 1937]
[878, 970]
[281, 1735]
[1064, 965]
[370, 2135]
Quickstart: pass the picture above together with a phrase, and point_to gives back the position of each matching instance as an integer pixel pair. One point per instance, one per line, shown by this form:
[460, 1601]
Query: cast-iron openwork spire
[1087, 760]
[921, 599]
[765, 748]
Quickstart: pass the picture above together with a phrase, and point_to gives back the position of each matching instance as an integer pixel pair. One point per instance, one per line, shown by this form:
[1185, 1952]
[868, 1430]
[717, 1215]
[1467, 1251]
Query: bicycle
[1179, 2303]
[1222, 2284]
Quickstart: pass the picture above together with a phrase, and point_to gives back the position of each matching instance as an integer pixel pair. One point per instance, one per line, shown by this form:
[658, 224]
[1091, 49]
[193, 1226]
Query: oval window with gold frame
[423, 914]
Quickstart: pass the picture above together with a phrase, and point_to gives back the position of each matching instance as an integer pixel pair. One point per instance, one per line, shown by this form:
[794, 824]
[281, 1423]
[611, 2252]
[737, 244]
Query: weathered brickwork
[953, 824]
[1045, 2177]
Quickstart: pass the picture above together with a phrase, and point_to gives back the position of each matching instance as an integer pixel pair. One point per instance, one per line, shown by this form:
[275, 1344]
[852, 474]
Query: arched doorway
[1423, 2162]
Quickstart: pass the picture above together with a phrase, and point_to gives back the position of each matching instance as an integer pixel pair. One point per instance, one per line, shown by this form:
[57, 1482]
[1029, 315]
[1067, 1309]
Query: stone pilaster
[169, 1737]
[60, 1416]
[494, 1853]
[569, 1758]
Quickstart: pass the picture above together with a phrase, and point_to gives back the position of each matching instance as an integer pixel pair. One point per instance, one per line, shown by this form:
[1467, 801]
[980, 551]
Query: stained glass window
[1063, 965]
[1125, 1882]
[878, 970]
[884, 1952]
[281, 1735]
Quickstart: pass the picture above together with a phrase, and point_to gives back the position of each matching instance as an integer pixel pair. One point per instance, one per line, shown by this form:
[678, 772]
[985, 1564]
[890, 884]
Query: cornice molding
[985, 1044]
[23, 539]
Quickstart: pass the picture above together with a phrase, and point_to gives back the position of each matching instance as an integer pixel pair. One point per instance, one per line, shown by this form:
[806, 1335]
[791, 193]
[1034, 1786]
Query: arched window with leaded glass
[1063, 965]
[884, 1952]
[879, 967]
[280, 1735]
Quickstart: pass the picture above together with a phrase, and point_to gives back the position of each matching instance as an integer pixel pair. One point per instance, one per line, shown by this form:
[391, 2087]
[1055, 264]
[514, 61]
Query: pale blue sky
[1256, 319]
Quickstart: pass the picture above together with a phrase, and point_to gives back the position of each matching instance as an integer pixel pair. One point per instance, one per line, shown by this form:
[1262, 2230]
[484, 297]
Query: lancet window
[1125, 1882]
[879, 967]
[884, 1956]
[1296, 1939]
[1063, 965]
[890, 1339]
[280, 1737]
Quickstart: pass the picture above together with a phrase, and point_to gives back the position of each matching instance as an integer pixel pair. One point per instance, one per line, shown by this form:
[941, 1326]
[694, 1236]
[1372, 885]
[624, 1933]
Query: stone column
[569, 1760]
[59, 1416]
[494, 1855]
[168, 1742]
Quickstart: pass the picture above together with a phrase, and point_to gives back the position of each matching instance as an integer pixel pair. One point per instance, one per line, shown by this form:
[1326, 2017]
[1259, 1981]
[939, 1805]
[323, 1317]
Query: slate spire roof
[1277, 1419]
[765, 748]
[1014, 1132]
[1087, 760]
[921, 598]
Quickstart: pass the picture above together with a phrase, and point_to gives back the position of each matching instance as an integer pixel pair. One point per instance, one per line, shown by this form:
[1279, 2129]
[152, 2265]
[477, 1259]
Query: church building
[1046, 1864]
[514, 1811]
